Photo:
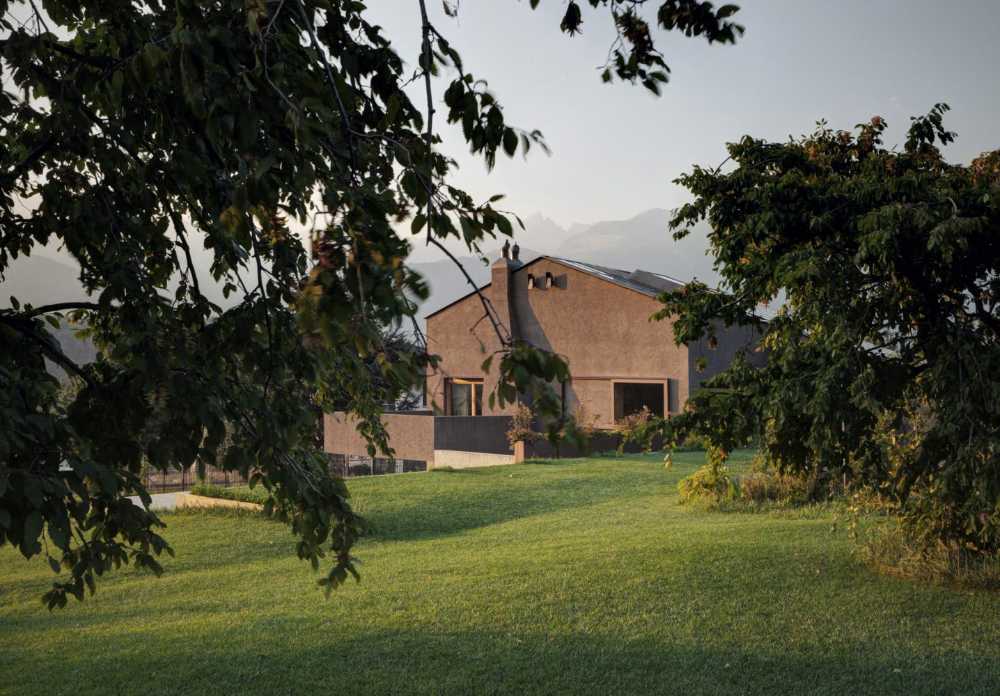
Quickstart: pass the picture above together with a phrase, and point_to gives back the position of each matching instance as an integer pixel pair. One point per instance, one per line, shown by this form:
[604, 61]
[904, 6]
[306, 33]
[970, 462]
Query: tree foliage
[633, 56]
[882, 356]
[134, 132]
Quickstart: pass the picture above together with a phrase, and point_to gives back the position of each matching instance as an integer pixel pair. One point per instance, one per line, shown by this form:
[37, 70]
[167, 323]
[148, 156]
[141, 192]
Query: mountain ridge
[642, 241]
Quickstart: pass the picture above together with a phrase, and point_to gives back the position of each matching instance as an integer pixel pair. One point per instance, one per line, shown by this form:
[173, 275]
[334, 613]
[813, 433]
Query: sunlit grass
[581, 576]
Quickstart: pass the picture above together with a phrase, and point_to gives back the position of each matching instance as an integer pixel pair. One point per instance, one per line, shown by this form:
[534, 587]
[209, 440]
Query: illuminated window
[465, 397]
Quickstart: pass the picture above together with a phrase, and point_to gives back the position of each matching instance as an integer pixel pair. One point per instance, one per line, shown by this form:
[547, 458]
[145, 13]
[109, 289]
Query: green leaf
[504, 224]
[418, 223]
[509, 141]
[32, 532]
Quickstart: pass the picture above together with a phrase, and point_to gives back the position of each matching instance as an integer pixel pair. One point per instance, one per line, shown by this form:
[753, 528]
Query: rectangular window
[465, 397]
[632, 397]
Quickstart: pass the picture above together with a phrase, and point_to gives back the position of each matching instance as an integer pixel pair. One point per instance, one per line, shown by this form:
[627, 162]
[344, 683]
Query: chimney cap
[516, 251]
[506, 250]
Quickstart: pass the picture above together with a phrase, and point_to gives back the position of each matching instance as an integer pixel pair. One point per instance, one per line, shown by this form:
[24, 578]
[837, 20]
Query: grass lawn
[582, 576]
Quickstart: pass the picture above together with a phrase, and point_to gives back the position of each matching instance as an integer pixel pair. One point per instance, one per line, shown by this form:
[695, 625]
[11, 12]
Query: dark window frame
[628, 397]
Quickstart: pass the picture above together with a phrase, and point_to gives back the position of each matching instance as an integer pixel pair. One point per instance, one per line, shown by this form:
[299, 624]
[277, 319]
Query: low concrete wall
[452, 459]
[457, 442]
[411, 435]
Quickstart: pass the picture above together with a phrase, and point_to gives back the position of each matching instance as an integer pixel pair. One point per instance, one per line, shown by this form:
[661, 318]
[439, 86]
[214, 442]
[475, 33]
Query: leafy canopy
[132, 134]
[881, 359]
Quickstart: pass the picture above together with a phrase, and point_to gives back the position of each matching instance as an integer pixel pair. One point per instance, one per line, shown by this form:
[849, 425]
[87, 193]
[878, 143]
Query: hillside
[562, 577]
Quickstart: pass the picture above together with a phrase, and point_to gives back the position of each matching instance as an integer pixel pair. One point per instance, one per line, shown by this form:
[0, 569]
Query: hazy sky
[615, 149]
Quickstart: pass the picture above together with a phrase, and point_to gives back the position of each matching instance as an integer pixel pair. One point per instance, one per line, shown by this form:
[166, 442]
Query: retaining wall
[411, 435]
[441, 441]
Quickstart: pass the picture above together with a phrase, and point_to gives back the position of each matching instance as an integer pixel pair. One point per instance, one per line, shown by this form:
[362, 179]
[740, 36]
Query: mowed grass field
[581, 576]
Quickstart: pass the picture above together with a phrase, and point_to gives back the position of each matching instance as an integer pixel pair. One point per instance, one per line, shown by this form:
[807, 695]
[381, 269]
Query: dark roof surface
[646, 282]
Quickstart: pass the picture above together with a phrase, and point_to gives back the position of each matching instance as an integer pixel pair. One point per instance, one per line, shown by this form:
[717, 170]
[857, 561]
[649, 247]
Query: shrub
[710, 484]
[692, 443]
[713, 485]
[639, 429]
[893, 548]
[759, 487]
[580, 428]
[522, 426]
[240, 493]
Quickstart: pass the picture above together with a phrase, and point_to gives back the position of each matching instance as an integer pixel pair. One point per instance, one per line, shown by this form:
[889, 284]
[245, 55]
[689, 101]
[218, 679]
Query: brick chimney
[501, 289]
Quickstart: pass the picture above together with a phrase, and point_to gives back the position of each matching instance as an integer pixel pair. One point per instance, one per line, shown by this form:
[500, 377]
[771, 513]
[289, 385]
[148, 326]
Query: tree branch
[502, 332]
[53, 352]
[428, 57]
[180, 231]
[36, 154]
[60, 307]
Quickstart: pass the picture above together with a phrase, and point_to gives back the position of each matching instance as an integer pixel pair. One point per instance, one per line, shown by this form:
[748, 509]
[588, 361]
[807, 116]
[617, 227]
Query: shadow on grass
[451, 502]
[448, 502]
[260, 660]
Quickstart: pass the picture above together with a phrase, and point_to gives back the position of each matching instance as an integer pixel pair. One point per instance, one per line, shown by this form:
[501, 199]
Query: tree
[881, 356]
[132, 132]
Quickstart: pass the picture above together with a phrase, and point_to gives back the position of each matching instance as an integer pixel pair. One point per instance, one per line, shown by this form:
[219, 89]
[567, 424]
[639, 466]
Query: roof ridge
[617, 276]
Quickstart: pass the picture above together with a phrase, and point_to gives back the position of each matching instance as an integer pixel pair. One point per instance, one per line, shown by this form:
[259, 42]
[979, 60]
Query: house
[597, 318]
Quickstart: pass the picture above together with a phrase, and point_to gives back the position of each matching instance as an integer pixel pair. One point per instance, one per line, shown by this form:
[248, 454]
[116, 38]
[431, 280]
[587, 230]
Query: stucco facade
[410, 433]
[598, 319]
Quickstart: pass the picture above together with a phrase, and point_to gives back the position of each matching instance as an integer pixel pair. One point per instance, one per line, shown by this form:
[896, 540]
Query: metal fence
[345, 466]
[350, 465]
[169, 481]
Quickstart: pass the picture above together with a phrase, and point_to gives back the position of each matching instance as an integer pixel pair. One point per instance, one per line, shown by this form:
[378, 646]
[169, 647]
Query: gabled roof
[645, 282]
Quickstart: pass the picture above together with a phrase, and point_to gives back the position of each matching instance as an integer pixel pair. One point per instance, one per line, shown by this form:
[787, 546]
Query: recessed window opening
[465, 397]
[632, 397]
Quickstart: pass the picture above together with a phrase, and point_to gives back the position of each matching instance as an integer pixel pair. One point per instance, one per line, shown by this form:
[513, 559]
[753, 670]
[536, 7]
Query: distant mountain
[642, 241]
[40, 280]
[543, 234]
[447, 283]
[645, 242]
